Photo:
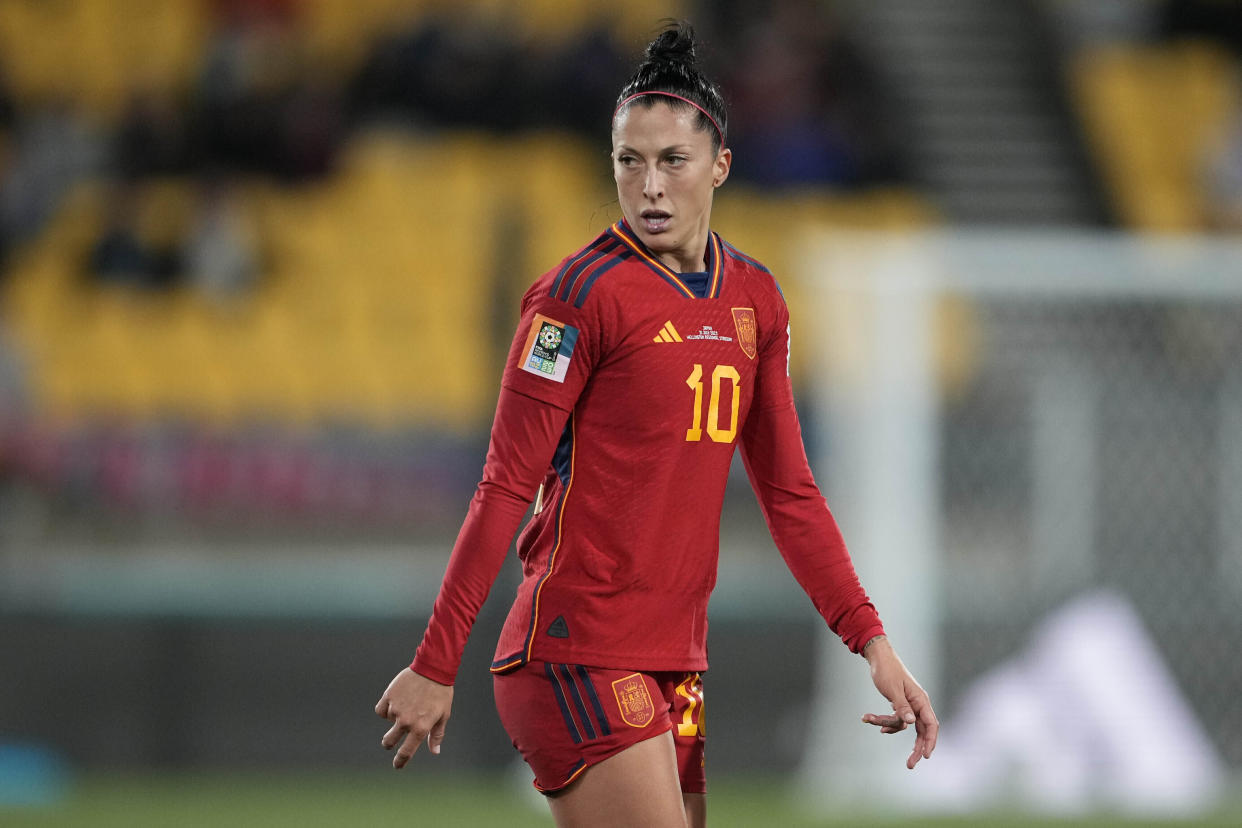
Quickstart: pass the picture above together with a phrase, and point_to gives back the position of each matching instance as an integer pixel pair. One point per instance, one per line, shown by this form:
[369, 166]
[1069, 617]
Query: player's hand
[911, 706]
[419, 709]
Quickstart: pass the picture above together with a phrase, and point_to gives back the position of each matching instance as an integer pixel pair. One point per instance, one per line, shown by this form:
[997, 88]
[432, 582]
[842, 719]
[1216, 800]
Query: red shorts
[563, 718]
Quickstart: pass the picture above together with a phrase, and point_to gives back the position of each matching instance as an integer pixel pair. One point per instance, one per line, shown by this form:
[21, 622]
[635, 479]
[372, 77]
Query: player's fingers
[886, 722]
[903, 710]
[394, 735]
[929, 731]
[436, 736]
[408, 748]
[921, 751]
[381, 707]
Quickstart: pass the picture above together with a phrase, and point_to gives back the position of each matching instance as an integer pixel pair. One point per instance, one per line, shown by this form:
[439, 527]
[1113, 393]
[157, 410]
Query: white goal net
[1010, 420]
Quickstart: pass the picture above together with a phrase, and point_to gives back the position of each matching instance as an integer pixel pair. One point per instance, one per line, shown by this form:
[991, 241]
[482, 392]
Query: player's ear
[724, 161]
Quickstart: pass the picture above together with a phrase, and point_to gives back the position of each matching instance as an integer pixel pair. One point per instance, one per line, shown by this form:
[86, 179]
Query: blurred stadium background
[259, 263]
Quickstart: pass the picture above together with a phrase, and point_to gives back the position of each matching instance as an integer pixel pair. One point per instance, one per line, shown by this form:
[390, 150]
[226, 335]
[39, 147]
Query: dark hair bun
[674, 45]
[670, 67]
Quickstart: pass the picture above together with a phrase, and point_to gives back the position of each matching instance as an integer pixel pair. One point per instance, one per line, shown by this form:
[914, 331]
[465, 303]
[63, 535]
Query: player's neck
[691, 258]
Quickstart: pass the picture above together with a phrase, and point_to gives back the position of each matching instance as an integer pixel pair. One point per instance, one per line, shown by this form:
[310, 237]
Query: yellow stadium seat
[1151, 113]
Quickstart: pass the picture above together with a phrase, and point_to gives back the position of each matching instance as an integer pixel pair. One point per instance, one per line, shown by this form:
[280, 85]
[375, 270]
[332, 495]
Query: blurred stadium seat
[1152, 113]
[379, 291]
[90, 54]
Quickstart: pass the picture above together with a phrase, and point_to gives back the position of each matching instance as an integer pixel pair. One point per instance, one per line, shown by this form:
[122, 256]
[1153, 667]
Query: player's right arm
[419, 699]
[531, 413]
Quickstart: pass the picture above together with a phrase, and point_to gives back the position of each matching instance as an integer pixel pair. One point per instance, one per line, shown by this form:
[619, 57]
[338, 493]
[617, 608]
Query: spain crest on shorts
[747, 330]
[634, 700]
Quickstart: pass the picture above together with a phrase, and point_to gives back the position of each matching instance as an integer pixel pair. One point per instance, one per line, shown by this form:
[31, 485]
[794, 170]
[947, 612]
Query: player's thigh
[696, 809]
[637, 786]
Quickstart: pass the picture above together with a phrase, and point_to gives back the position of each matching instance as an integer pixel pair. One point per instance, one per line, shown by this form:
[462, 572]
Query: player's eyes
[675, 160]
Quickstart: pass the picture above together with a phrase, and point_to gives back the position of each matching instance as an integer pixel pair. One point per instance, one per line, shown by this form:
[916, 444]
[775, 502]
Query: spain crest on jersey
[747, 331]
[549, 348]
[634, 700]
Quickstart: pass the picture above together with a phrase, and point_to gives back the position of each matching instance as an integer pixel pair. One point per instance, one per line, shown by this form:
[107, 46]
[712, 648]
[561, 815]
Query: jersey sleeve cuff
[426, 670]
[858, 641]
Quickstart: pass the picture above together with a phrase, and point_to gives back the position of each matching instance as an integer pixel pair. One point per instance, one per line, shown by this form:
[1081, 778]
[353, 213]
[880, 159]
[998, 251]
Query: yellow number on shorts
[692, 722]
[714, 431]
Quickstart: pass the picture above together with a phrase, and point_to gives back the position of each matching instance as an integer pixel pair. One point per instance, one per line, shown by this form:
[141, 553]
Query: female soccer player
[640, 363]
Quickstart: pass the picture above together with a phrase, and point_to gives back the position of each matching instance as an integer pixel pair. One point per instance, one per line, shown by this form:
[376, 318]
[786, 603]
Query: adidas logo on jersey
[667, 334]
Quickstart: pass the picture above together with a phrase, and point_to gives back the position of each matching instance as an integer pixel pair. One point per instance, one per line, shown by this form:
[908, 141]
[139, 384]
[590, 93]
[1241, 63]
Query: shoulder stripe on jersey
[585, 274]
[584, 253]
[589, 282]
[574, 273]
[572, 268]
[742, 257]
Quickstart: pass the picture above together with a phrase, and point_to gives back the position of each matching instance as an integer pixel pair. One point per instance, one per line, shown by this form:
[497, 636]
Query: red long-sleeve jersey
[626, 391]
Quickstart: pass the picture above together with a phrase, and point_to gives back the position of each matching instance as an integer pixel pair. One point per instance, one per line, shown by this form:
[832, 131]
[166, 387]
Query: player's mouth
[654, 221]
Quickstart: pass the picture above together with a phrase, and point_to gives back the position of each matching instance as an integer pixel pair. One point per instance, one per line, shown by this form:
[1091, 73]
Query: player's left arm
[797, 515]
[810, 541]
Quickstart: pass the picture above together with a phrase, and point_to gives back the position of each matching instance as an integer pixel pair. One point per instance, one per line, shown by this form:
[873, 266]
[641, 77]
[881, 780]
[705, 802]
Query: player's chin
[658, 241]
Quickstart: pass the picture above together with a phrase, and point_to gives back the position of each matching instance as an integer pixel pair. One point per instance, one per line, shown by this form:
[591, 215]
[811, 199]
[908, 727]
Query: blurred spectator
[14, 397]
[803, 97]
[583, 88]
[8, 107]
[120, 256]
[6, 154]
[219, 252]
[1079, 25]
[8, 118]
[1218, 20]
[50, 149]
[245, 14]
[446, 72]
[238, 96]
[1223, 179]
[260, 106]
[151, 138]
[311, 128]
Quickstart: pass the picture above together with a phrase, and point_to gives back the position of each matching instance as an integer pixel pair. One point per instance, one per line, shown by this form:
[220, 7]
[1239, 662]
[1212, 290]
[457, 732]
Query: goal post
[872, 335]
[1007, 419]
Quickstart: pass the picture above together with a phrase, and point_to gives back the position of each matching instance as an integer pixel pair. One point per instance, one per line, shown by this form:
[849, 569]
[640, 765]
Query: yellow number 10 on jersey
[719, 435]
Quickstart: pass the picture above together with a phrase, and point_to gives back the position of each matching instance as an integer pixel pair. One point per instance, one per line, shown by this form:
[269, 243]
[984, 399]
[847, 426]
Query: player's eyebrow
[664, 151]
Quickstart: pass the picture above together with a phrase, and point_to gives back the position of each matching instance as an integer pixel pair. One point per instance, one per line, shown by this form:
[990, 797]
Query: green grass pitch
[386, 797]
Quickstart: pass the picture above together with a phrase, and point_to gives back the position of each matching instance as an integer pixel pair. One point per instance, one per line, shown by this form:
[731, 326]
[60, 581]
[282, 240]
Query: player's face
[666, 173]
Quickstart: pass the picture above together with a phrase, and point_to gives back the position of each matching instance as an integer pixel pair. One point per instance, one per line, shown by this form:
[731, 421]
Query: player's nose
[653, 184]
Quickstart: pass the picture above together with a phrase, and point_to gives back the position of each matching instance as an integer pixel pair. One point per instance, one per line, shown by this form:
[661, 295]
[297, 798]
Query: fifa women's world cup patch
[634, 700]
[747, 330]
[549, 348]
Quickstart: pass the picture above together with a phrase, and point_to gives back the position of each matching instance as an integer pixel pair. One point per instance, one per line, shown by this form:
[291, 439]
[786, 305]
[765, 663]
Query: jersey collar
[715, 261]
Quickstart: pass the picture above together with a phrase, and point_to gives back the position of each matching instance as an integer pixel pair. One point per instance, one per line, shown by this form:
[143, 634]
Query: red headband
[719, 131]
